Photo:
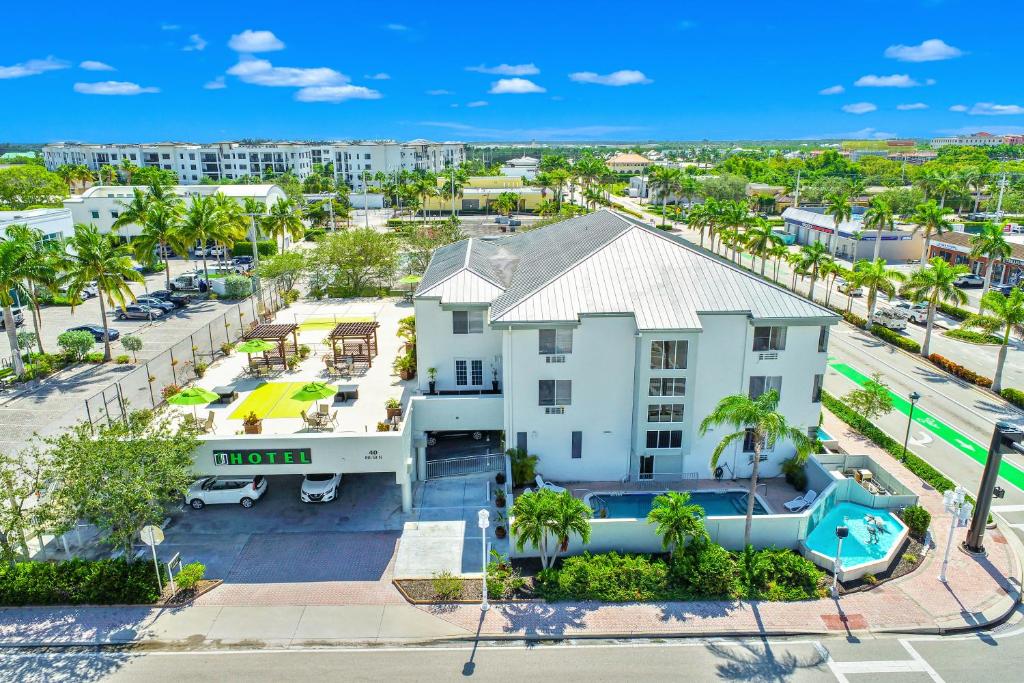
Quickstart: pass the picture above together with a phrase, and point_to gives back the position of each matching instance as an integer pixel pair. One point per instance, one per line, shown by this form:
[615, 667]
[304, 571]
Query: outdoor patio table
[347, 392]
[226, 393]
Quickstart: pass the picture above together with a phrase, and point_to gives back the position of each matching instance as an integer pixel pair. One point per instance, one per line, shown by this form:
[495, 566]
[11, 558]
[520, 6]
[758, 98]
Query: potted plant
[226, 348]
[405, 366]
[292, 363]
[252, 424]
[432, 375]
[500, 478]
[394, 408]
[494, 379]
[499, 528]
[499, 497]
[383, 426]
[304, 351]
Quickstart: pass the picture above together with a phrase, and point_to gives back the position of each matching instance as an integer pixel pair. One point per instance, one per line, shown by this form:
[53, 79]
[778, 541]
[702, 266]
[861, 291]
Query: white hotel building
[231, 160]
[599, 344]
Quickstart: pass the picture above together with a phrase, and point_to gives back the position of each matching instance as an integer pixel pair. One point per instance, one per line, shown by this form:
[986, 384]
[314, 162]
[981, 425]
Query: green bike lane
[954, 438]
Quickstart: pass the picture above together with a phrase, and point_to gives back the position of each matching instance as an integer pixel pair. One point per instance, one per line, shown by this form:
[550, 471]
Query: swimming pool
[620, 505]
[875, 536]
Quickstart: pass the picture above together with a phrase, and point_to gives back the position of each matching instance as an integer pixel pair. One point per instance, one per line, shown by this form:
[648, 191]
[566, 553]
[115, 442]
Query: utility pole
[796, 196]
[452, 188]
[366, 207]
[999, 203]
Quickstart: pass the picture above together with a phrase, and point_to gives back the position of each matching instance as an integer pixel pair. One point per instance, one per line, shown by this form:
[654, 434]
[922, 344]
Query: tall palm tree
[284, 219]
[758, 417]
[736, 216]
[946, 182]
[934, 283]
[198, 226]
[44, 262]
[929, 218]
[829, 271]
[12, 285]
[974, 178]
[105, 260]
[812, 257]
[232, 223]
[256, 211]
[161, 231]
[424, 185]
[542, 516]
[879, 217]
[128, 169]
[761, 239]
[927, 181]
[452, 185]
[877, 278]
[699, 218]
[840, 209]
[677, 520]
[134, 212]
[778, 252]
[991, 244]
[666, 181]
[1006, 313]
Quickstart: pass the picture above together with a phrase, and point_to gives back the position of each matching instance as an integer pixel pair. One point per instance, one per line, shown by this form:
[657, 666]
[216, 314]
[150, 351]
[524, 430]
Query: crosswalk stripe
[1008, 508]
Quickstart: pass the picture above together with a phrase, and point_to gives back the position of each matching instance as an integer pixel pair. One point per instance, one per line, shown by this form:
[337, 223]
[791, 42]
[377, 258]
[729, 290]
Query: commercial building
[232, 160]
[481, 192]
[53, 223]
[521, 167]
[980, 139]
[101, 205]
[852, 241]
[956, 248]
[599, 344]
[628, 163]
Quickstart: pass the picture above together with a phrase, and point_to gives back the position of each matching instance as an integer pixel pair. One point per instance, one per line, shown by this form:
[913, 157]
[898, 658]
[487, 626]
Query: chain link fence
[148, 385]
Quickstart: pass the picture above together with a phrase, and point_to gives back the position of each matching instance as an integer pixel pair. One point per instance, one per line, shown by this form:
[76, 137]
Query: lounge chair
[802, 502]
[207, 426]
[541, 484]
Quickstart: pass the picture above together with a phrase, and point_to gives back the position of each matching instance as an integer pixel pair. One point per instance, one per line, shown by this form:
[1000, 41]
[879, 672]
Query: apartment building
[232, 160]
[599, 343]
[980, 139]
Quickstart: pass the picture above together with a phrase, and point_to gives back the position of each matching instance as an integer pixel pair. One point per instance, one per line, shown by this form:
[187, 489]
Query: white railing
[468, 464]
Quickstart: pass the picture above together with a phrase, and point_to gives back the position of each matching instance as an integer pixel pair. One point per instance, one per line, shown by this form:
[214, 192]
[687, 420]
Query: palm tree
[43, 263]
[929, 218]
[778, 252]
[12, 282]
[199, 224]
[128, 169]
[927, 182]
[452, 185]
[933, 284]
[666, 181]
[161, 232]
[1007, 313]
[232, 223]
[991, 244]
[812, 257]
[699, 218]
[879, 217]
[877, 278]
[543, 515]
[840, 209]
[678, 520]
[945, 182]
[974, 178]
[134, 212]
[256, 211]
[425, 187]
[761, 239]
[506, 203]
[546, 207]
[736, 216]
[829, 271]
[759, 420]
[105, 260]
[284, 219]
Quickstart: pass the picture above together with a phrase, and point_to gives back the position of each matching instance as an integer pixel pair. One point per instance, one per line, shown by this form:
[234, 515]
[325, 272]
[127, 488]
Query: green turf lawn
[327, 324]
[272, 400]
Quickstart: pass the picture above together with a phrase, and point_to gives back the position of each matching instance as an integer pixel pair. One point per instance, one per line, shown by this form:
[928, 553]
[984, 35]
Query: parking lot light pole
[914, 398]
[841, 533]
[484, 521]
[956, 503]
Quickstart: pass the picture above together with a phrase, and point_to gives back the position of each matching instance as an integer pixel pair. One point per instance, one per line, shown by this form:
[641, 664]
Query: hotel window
[577, 445]
[114, 214]
[816, 389]
[762, 384]
[469, 373]
[748, 444]
[823, 339]
[95, 214]
[665, 412]
[668, 355]
[665, 438]
[555, 392]
[667, 386]
[557, 341]
[467, 322]
[769, 338]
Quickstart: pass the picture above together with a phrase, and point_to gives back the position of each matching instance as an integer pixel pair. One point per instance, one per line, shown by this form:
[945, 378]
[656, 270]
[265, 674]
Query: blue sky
[510, 71]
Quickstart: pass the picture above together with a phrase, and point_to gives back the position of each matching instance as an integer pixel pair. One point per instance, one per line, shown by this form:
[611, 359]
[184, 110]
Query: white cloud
[262, 72]
[616, 78]
[169, 27]
[440, 92]
[859, 108]
[990, 109]
[477, 103]
[914, 106]
[378, 76]
[958, 107]
[91, 65]
[196, 43]
[216, 84]
[396, 27]
[893, 81]
[255, 41]
[32, 67]
[336, 93]
[832, 90]
[113, 88]
[932, 50]
[506, 69]
[514, 86]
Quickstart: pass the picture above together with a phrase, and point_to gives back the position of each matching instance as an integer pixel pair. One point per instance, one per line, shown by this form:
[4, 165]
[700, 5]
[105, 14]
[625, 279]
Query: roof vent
[504, 263]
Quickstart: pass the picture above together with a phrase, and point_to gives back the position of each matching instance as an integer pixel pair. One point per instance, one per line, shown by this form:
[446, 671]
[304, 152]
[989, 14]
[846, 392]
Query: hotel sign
[257, 457]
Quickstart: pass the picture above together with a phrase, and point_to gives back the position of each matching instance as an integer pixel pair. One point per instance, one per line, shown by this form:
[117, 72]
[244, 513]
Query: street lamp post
[960, 508]
[484, 521]
[914, 398]
[841, 533]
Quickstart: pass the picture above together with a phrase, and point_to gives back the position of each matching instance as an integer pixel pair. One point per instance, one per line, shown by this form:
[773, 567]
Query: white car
[242, 491]
[319, 488]
[969, 280]
[916, 312]
[847, 288]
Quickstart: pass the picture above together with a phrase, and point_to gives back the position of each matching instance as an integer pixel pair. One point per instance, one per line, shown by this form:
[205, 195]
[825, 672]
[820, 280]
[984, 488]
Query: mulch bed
[899, 567]
[421, 591]
[184, 597]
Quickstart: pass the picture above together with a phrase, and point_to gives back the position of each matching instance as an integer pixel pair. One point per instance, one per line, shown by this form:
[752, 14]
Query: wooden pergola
[276, 333]
[358, 342]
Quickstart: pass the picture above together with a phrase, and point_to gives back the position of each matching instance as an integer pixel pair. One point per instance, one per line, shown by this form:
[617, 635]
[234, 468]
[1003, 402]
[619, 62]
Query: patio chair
[802, 502]
[309, 421]
[541, 484]
[207, 426]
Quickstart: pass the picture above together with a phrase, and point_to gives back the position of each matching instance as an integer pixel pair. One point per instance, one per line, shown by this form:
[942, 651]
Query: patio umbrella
[193, 396]
[314, 391]
[411, 280]
[255, 346]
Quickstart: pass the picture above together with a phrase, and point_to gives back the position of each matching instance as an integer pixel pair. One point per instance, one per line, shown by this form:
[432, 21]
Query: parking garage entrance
[453, 453]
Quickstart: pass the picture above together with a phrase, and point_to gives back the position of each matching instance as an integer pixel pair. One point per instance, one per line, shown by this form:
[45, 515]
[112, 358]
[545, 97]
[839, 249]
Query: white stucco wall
[437, 347]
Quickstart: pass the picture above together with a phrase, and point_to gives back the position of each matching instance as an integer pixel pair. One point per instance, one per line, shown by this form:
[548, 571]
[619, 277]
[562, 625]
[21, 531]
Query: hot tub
[875, 537]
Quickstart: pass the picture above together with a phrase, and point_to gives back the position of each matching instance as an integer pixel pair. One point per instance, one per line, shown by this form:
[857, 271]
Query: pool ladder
[601, 508]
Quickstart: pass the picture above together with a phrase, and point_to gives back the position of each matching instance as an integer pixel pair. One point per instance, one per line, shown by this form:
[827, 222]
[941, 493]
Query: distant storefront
[955, 247]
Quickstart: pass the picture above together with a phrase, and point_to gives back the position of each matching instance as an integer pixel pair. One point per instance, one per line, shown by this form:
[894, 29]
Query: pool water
[637, 505]
[860, 546]
[823, 435]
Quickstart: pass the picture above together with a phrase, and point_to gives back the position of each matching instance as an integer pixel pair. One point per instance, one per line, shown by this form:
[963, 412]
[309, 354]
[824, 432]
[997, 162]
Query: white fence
[468, 464]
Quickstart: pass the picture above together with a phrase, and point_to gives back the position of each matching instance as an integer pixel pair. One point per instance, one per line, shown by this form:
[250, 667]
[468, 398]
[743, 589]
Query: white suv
[319, 488]
[243, 491]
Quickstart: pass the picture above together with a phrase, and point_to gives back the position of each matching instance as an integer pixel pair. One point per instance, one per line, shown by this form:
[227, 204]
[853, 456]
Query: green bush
[123, 359]
[706, 570]
[960, 371]
[503, 580]
[190, 575]
[954, 311]
[608, 577]
[265, 247]
[94, 357]
[76, 344]
[795, 473]
[917, 520]
[237, 286]
[781, 574]
[910, 558]
[313, 234]
[1014, 396]
[290, 296]
[895, 338]
[523, 466]
[78, 582]
[447, 586]
[973, 336]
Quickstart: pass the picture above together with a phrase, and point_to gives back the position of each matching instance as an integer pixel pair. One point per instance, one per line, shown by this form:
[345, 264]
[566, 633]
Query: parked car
[190, 282]
[208, 251]
[433, 437]
[916, 312]
[154, 302]
[88, 291]
[892, 318]
[244, 261]
[319, 488]
[969, 280]
[179, 300]
[848, 289]
[138, 312]
[19, 319]
[1005, 290]
[242, 491]
[96, 331]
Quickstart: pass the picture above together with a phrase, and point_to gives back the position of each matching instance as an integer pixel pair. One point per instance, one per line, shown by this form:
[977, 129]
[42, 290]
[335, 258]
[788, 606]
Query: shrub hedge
[265, 247]
[1014, 396]
[954, 311]
[78, 582]
[973, 336]
[960, 371]
[917, 520]
[896, 339]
